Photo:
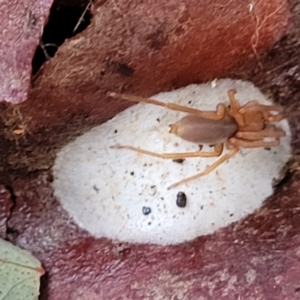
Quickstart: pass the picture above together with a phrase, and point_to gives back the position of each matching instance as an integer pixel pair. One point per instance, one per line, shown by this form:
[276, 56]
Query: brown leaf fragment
[21, 27]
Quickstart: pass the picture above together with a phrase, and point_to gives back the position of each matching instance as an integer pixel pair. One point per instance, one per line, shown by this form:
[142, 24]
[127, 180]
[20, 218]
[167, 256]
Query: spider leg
[270, 131]
[254, 106]
[208, 169]
[253, 144]
[235, 108]
[218, 149]
[215, 115]
[276, 118]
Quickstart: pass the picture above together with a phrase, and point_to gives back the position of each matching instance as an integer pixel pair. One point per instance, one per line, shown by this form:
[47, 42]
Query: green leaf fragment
[20, 273]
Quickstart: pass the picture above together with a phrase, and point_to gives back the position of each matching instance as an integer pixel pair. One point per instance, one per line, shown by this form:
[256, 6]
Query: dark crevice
[11, 233]
[64, 21]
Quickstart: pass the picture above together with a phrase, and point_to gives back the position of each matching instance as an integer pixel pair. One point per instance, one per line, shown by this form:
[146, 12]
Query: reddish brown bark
[257, 258]
[148, 47]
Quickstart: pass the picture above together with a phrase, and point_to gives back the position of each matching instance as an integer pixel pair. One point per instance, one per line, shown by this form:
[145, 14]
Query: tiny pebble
[181, 199]
[146, 210]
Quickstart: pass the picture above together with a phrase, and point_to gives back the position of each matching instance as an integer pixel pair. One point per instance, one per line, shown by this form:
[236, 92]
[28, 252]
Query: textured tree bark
[148, 47]
[256, 258]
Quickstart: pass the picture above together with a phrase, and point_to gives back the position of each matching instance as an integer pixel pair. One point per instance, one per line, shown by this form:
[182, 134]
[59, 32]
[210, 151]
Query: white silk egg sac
[121, 194]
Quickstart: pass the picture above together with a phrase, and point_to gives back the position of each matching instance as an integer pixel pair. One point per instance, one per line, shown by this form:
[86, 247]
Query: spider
[236, 126]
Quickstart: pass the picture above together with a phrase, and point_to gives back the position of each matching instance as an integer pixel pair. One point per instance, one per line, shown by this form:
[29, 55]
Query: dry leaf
[20, 273]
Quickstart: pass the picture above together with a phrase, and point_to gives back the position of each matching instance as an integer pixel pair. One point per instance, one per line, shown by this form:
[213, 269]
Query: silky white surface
[95, 183]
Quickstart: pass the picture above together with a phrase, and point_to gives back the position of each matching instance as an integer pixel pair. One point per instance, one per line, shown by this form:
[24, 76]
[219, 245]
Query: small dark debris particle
[181, 199]
[121, 68]
[157, 39]
[201, 207]
[152, 186]
[96, 188]
[231, 215]
[121, 250]
[146, 210]
[190, 102]
[50, 177]
[267, 148]
[132, 173]
[179, 160]
[200, 147]
[149, 223]
[158, 120]
[116, 131]
[33, 19]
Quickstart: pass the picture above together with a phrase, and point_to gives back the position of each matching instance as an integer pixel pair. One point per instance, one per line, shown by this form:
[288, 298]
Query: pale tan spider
[237, 126]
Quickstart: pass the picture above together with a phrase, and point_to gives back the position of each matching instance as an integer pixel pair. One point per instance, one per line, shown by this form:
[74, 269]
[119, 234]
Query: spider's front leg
[269, 131]
[265, 110]
[214, 115]
[254, 139]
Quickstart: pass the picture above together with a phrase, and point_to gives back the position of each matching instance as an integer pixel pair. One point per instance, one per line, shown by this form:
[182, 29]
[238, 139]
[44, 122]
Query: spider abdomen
[200, 130]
